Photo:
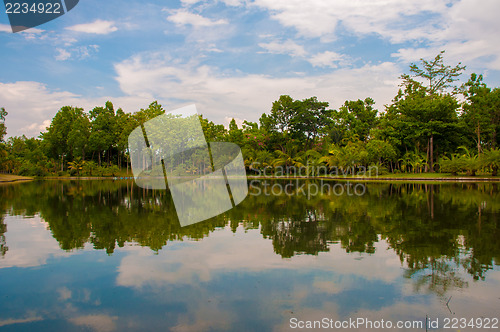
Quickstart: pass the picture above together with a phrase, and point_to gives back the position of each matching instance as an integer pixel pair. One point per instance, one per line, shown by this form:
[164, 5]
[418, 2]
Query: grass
[435, 177]
[13, 178]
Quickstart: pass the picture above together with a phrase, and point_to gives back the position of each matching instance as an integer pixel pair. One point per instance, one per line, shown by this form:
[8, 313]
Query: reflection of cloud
[207, 318]
[100, 323]
[224, 251]
[326, 287]
[30, 243]
[64, 293]
[12, 321]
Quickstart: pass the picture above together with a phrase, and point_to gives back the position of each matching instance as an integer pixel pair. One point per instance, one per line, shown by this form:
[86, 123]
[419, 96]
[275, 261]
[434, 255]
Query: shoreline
[8, 178]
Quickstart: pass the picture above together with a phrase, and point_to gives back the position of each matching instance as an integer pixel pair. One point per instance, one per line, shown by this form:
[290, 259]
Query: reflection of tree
[439, 276]
[3, 229]
[3, 244]
[436, 230]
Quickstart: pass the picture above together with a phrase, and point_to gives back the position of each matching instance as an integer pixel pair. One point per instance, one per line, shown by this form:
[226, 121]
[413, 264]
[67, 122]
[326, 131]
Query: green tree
[76, 165]
[282, 112]
[354, 120]
[481, 112]
[3, 132]
[57, 137]
[3, 128]
[310, 119]
[103, 130]
[427, 108]
[380, 152]
[78, 136]
[235, 135]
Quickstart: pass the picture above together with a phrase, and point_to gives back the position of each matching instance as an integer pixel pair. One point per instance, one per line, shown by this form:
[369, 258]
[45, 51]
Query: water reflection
[380, 254]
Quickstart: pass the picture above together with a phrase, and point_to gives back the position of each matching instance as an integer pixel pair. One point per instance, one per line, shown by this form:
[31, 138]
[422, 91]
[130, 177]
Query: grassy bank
[6, 178]
[434, 177]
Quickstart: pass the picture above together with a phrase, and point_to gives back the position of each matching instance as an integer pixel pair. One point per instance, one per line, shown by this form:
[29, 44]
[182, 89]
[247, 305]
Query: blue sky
[233, 58]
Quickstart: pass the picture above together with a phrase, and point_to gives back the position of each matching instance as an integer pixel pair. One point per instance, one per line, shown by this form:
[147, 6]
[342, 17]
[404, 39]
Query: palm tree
[76, 165]
[491, 158]
[452, 165]
[470, 161]
[312, 162]
[285, 159]
[89, 167]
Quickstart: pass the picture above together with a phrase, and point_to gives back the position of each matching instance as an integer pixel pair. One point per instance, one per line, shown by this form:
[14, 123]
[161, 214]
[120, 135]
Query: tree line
[432, 124]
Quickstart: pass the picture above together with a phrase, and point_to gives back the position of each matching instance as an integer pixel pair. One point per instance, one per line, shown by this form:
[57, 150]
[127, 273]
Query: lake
[110, 256]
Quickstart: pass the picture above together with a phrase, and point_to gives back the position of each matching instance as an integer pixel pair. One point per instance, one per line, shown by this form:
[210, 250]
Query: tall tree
[3, 128]
[57, 135]
[436, 105]
[310, 119]
[282, 112]
[3, 132]
[478, 110]
[103, 133]
[78, 136]
[355, 119]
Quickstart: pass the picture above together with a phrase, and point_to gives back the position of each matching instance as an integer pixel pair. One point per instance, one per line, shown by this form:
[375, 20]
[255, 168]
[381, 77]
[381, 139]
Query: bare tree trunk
[478, 141]
[427, 162]
[432, 154]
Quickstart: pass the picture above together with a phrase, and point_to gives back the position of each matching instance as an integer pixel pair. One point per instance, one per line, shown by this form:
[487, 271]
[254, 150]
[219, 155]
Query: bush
[28, 169]
[491, 159]
[452, 165]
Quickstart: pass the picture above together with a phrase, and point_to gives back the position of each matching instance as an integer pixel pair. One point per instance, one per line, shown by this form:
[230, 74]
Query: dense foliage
[431, 125]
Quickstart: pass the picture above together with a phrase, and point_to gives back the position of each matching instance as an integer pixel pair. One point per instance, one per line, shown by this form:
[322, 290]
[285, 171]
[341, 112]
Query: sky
[233, 58]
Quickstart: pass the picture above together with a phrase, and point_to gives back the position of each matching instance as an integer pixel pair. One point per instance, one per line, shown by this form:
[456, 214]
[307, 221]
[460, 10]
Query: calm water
[109, 256]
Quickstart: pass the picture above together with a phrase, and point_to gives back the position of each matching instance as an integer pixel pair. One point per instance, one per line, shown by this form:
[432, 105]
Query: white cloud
[327, 59]
[246, 96]
[183, 17]
[79, 52]
[28, 34]
[321, 18]
[31, 104]
[36, 127]
[87, 51]
[5, 28]
[287, 47]
[466, 29]
[227, 121]
[99, 27]
[469, 35]
[62, 54]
